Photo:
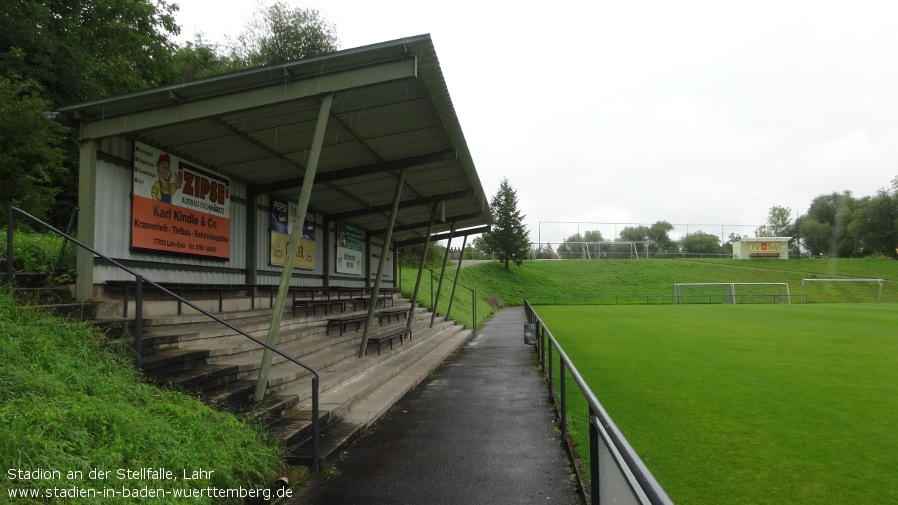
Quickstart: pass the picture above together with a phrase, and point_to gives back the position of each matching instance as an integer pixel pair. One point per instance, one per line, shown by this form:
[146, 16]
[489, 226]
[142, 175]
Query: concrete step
[82, 311]
[44, 295]
[358, 406]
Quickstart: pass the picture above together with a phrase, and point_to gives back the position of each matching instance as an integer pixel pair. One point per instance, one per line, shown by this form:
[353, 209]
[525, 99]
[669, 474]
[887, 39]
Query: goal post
[731, 292]
[878, 281]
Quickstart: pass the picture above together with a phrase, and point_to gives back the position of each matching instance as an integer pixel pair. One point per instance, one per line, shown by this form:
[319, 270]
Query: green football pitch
[745, 404]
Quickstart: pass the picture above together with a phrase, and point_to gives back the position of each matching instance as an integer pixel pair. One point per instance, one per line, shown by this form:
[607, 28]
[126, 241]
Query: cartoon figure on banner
[164, 188]
[278, 219]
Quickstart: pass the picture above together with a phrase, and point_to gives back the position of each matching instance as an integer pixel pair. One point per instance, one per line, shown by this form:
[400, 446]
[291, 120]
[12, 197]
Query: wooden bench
[388, 314]
[389, 335]
[344, 321]
[364, 301]
[129, 287]
[314, 304]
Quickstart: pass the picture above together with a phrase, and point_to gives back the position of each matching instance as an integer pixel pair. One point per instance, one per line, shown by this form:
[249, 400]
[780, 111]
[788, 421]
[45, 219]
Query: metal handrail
[659, 299]
[473, 299]
[645, 488]
[138, 316]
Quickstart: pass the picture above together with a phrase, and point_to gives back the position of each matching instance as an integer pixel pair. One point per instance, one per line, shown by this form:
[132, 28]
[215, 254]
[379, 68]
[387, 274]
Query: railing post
[138, 320]
[551, 380]
[593, 459]
[10, 274]
[315, 445]
[563, 400]
[474, 309]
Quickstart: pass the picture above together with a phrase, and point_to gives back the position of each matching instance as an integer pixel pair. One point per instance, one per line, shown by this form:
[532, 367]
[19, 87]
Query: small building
[761, 248]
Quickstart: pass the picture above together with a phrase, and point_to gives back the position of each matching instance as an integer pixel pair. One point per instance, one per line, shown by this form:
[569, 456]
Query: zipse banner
[179, 207]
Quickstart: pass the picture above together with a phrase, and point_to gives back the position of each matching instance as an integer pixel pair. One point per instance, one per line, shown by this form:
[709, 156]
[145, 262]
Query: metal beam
[442, 236]
[417, 202]
[282, 92]
[372, 168]
[414, 300]
[419, 225]
[87, 204]
[461, 258]
[436, 301]
[292, 248]
[384, 252]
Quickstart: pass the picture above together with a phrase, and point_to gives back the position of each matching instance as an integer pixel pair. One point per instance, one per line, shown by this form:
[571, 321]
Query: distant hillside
[655, 277]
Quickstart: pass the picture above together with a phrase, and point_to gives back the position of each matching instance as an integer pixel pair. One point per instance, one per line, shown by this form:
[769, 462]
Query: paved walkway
[479, 430]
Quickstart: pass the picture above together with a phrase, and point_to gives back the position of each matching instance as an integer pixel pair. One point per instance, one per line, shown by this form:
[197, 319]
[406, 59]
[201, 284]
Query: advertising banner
[764, 246]
[350, 241]
[282, 218]
[179, 207]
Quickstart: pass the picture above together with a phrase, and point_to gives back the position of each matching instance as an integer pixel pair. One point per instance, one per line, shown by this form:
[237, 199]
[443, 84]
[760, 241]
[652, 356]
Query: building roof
[391, 110]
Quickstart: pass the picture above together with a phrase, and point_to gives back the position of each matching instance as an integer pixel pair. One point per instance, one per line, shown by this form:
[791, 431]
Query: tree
[31, 155]
[200, 58]
[656, 235]
[817, 237]
[779, 223]
[825, 227]
[508, 238]
[701, 243]
[280, 33]
[80, 50]
[576, 245]
[875, 224]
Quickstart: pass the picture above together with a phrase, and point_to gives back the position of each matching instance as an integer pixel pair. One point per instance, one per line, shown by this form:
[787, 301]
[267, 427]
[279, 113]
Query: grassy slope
[629, 278]
[68, 404]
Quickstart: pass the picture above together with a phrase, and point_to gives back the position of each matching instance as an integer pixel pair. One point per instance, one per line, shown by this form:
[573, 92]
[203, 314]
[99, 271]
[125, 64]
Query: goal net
[841, 290]
[731, 292]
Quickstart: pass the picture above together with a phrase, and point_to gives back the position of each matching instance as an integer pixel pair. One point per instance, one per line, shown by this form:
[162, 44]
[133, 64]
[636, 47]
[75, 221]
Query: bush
[39, 252]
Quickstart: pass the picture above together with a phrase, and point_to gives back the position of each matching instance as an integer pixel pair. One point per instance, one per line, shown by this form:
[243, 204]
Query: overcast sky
[699, 113]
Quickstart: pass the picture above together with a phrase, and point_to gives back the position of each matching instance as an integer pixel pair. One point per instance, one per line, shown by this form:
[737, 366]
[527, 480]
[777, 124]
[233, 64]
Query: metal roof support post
[436, 302]
[252, 274]
[293, 246]
[411, 310]
[464, 241]
[368, 260]
[385, 248]
[326, 259]
[87, 202]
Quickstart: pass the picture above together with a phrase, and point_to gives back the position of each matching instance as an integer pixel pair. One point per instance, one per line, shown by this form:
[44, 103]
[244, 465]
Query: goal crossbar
[879, 281]
[730, 289]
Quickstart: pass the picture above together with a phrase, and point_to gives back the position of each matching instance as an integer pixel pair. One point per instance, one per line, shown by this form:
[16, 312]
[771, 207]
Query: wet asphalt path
[479, 430]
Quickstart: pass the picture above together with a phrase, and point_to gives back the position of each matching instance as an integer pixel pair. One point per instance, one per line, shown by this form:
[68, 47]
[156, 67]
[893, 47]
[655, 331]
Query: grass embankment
[631, 281]
[67, 404]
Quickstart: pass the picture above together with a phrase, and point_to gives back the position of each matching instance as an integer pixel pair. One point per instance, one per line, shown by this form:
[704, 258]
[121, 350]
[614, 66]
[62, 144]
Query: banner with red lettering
[178, 206]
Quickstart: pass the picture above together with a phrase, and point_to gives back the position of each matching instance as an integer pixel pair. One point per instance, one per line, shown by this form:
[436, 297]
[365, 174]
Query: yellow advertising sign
[305, 255]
